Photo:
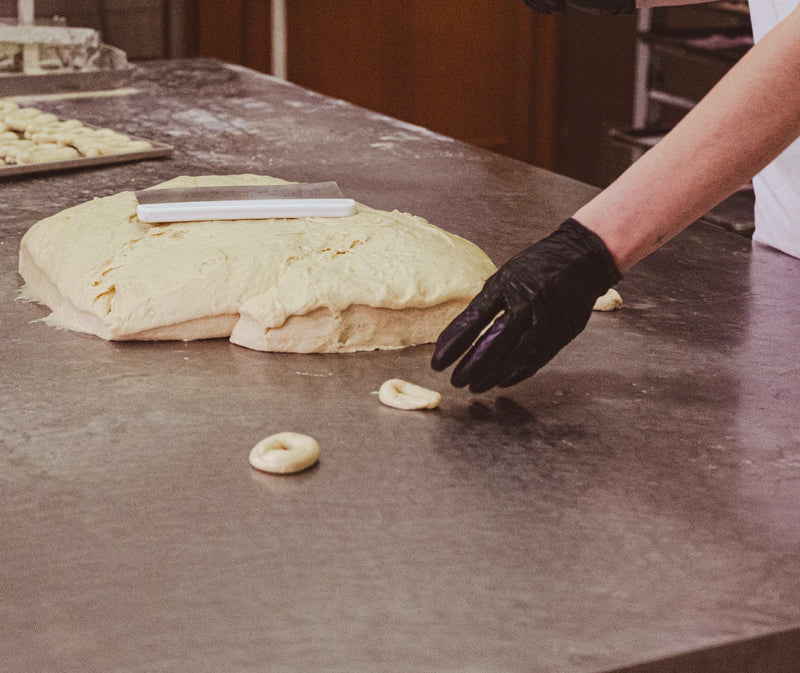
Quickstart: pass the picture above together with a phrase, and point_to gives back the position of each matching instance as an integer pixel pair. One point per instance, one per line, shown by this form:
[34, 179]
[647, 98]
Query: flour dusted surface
[375, 279]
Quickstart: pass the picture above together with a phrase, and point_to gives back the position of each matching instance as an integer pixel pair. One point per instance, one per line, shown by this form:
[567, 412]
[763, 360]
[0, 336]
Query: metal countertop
[636, 501]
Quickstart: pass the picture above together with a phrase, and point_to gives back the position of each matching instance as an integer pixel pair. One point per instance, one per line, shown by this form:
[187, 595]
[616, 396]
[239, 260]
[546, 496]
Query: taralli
[610, 301]
[284, 453]
[404, 395]
[99, 148]
[30, 136]
[40, 121]
[36, 128]
[20, 118]
[47, 152]
[11, 149]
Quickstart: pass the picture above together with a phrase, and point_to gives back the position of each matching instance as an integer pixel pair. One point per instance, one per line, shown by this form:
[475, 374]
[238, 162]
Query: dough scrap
[373, 280]
[610, 301]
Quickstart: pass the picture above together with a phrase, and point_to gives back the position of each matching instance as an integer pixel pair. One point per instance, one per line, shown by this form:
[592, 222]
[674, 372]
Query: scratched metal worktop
[637, 501]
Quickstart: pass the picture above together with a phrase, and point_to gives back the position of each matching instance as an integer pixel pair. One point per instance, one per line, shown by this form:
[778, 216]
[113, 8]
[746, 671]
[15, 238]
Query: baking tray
[14, 84]
[158, 150]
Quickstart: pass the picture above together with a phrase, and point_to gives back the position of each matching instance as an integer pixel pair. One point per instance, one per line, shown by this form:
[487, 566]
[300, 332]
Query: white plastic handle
[259, 209]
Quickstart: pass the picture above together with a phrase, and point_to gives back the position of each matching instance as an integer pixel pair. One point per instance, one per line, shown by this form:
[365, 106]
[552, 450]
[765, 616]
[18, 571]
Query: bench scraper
[243, 202]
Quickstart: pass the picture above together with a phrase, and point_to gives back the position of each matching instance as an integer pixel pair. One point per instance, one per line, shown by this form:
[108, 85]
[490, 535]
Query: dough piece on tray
[10, 150]
[372, 280]
[44, 128]
[45, 152]
[100, 148]
[45, 133]
[19, 119]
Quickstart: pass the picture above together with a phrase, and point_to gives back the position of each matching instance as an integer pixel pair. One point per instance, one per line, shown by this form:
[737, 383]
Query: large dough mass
[372, 280]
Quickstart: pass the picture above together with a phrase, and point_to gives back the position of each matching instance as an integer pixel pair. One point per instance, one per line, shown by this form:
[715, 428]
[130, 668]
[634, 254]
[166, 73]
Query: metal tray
[158, 150]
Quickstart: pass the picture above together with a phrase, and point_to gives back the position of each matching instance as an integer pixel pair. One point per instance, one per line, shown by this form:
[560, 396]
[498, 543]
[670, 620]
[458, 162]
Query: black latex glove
[593, 6]
[544, 296]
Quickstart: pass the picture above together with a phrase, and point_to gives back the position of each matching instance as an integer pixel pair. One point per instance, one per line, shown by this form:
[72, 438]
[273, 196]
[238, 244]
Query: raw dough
[35, 129]
[372, 280]
[18, 119]
[404, 395]
[10, 150]
[610, 301]
[47, 152]
[284, 453]
[7, 107]
[98, 147]
[29, 125]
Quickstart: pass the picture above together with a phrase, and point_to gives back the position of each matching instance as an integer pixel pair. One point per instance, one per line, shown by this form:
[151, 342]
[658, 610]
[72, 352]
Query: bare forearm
[738, 128]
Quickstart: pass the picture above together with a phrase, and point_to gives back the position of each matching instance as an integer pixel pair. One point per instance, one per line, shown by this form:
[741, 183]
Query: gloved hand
[544, 296]
[593, 6]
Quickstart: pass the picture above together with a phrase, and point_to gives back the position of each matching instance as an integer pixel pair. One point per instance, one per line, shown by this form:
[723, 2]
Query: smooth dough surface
[373, 280]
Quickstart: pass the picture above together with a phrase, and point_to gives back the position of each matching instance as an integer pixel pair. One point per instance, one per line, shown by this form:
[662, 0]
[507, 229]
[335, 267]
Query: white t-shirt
[777, 187]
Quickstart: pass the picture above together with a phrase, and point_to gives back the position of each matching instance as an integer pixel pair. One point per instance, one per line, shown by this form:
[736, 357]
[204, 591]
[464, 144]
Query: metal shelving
[657, 105]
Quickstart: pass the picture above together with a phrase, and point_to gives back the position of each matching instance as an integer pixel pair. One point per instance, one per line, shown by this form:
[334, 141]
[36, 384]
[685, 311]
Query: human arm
[745, 121]
[741, 125]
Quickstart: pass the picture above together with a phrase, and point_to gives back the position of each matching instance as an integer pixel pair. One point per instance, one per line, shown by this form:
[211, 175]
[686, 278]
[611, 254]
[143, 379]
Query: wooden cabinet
[237, 31]
[483, 71]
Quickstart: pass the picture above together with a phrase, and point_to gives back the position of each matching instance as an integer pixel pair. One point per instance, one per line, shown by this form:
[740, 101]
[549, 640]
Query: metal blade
[305, 190]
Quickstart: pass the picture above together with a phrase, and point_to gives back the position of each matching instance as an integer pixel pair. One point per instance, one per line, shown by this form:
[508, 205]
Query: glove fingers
[490, 351]
[460, 334]
[515, 364]
[484, 355]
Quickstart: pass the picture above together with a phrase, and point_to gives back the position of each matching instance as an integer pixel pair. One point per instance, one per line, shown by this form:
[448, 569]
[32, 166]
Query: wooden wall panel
[483, 71]
[237, 31]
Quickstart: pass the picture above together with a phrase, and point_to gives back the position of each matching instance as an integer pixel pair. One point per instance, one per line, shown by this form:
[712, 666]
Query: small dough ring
[284, 453]
[404, 395]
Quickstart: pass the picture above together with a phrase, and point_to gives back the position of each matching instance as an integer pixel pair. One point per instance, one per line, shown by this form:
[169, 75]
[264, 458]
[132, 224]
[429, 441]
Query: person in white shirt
[747, 125]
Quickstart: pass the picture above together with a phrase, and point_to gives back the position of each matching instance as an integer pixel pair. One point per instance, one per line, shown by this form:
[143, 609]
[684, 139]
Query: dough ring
[610, 301]
[404, 395]
[284, 453]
